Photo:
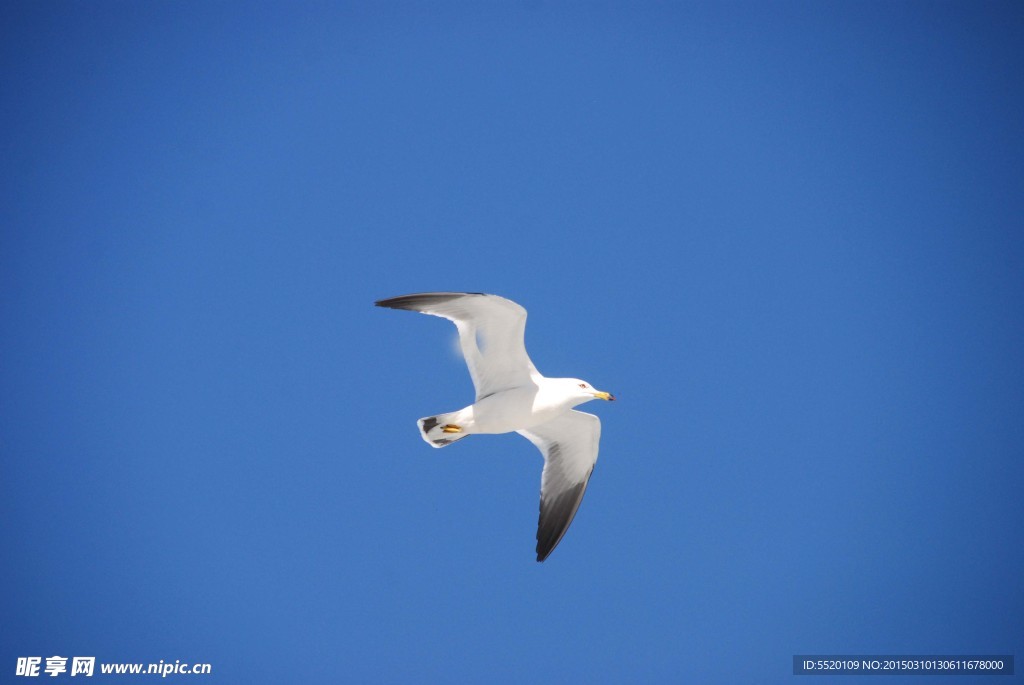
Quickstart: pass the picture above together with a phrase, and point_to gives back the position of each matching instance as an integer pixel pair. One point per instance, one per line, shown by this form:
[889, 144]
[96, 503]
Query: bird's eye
[583, 385]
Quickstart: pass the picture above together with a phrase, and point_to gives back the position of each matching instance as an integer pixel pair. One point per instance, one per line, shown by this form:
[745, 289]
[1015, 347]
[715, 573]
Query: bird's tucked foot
[437, 430]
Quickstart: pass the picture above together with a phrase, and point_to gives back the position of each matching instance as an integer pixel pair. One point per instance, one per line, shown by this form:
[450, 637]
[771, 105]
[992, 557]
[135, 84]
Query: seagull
[511, 395]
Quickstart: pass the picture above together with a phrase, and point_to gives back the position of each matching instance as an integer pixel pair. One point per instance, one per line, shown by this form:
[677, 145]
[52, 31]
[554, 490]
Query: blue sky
[788, 236]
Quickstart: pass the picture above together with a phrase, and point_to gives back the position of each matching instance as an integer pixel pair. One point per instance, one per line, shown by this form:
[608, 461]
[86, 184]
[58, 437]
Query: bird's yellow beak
[607, 396]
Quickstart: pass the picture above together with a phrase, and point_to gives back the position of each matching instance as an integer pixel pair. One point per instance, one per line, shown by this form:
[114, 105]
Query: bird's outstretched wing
[569, 444]
[491, 331]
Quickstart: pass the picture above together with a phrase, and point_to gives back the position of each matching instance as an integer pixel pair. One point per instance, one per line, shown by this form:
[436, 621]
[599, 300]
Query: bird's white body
[512, 396]
[519, 408]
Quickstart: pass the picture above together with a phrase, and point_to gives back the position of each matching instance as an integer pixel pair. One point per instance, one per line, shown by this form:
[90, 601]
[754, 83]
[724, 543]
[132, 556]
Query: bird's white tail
[440, 430]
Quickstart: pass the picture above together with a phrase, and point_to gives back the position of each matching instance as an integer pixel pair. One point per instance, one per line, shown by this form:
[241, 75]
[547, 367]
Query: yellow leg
[451, 428]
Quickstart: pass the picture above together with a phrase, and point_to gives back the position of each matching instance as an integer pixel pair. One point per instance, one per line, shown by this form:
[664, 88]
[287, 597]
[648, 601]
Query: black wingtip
[417, 300]
[556, 516]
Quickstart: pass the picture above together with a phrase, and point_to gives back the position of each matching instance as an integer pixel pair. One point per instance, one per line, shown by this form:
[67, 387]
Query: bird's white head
[581, 391]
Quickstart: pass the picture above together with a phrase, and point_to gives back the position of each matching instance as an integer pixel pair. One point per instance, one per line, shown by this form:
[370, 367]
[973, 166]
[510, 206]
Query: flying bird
[511, 395]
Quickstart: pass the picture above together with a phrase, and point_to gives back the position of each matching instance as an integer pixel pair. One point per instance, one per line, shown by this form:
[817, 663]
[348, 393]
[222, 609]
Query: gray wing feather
[491, 334]
[569, 444]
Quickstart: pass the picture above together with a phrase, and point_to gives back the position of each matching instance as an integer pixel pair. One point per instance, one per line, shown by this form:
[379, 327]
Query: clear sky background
[789, 236]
